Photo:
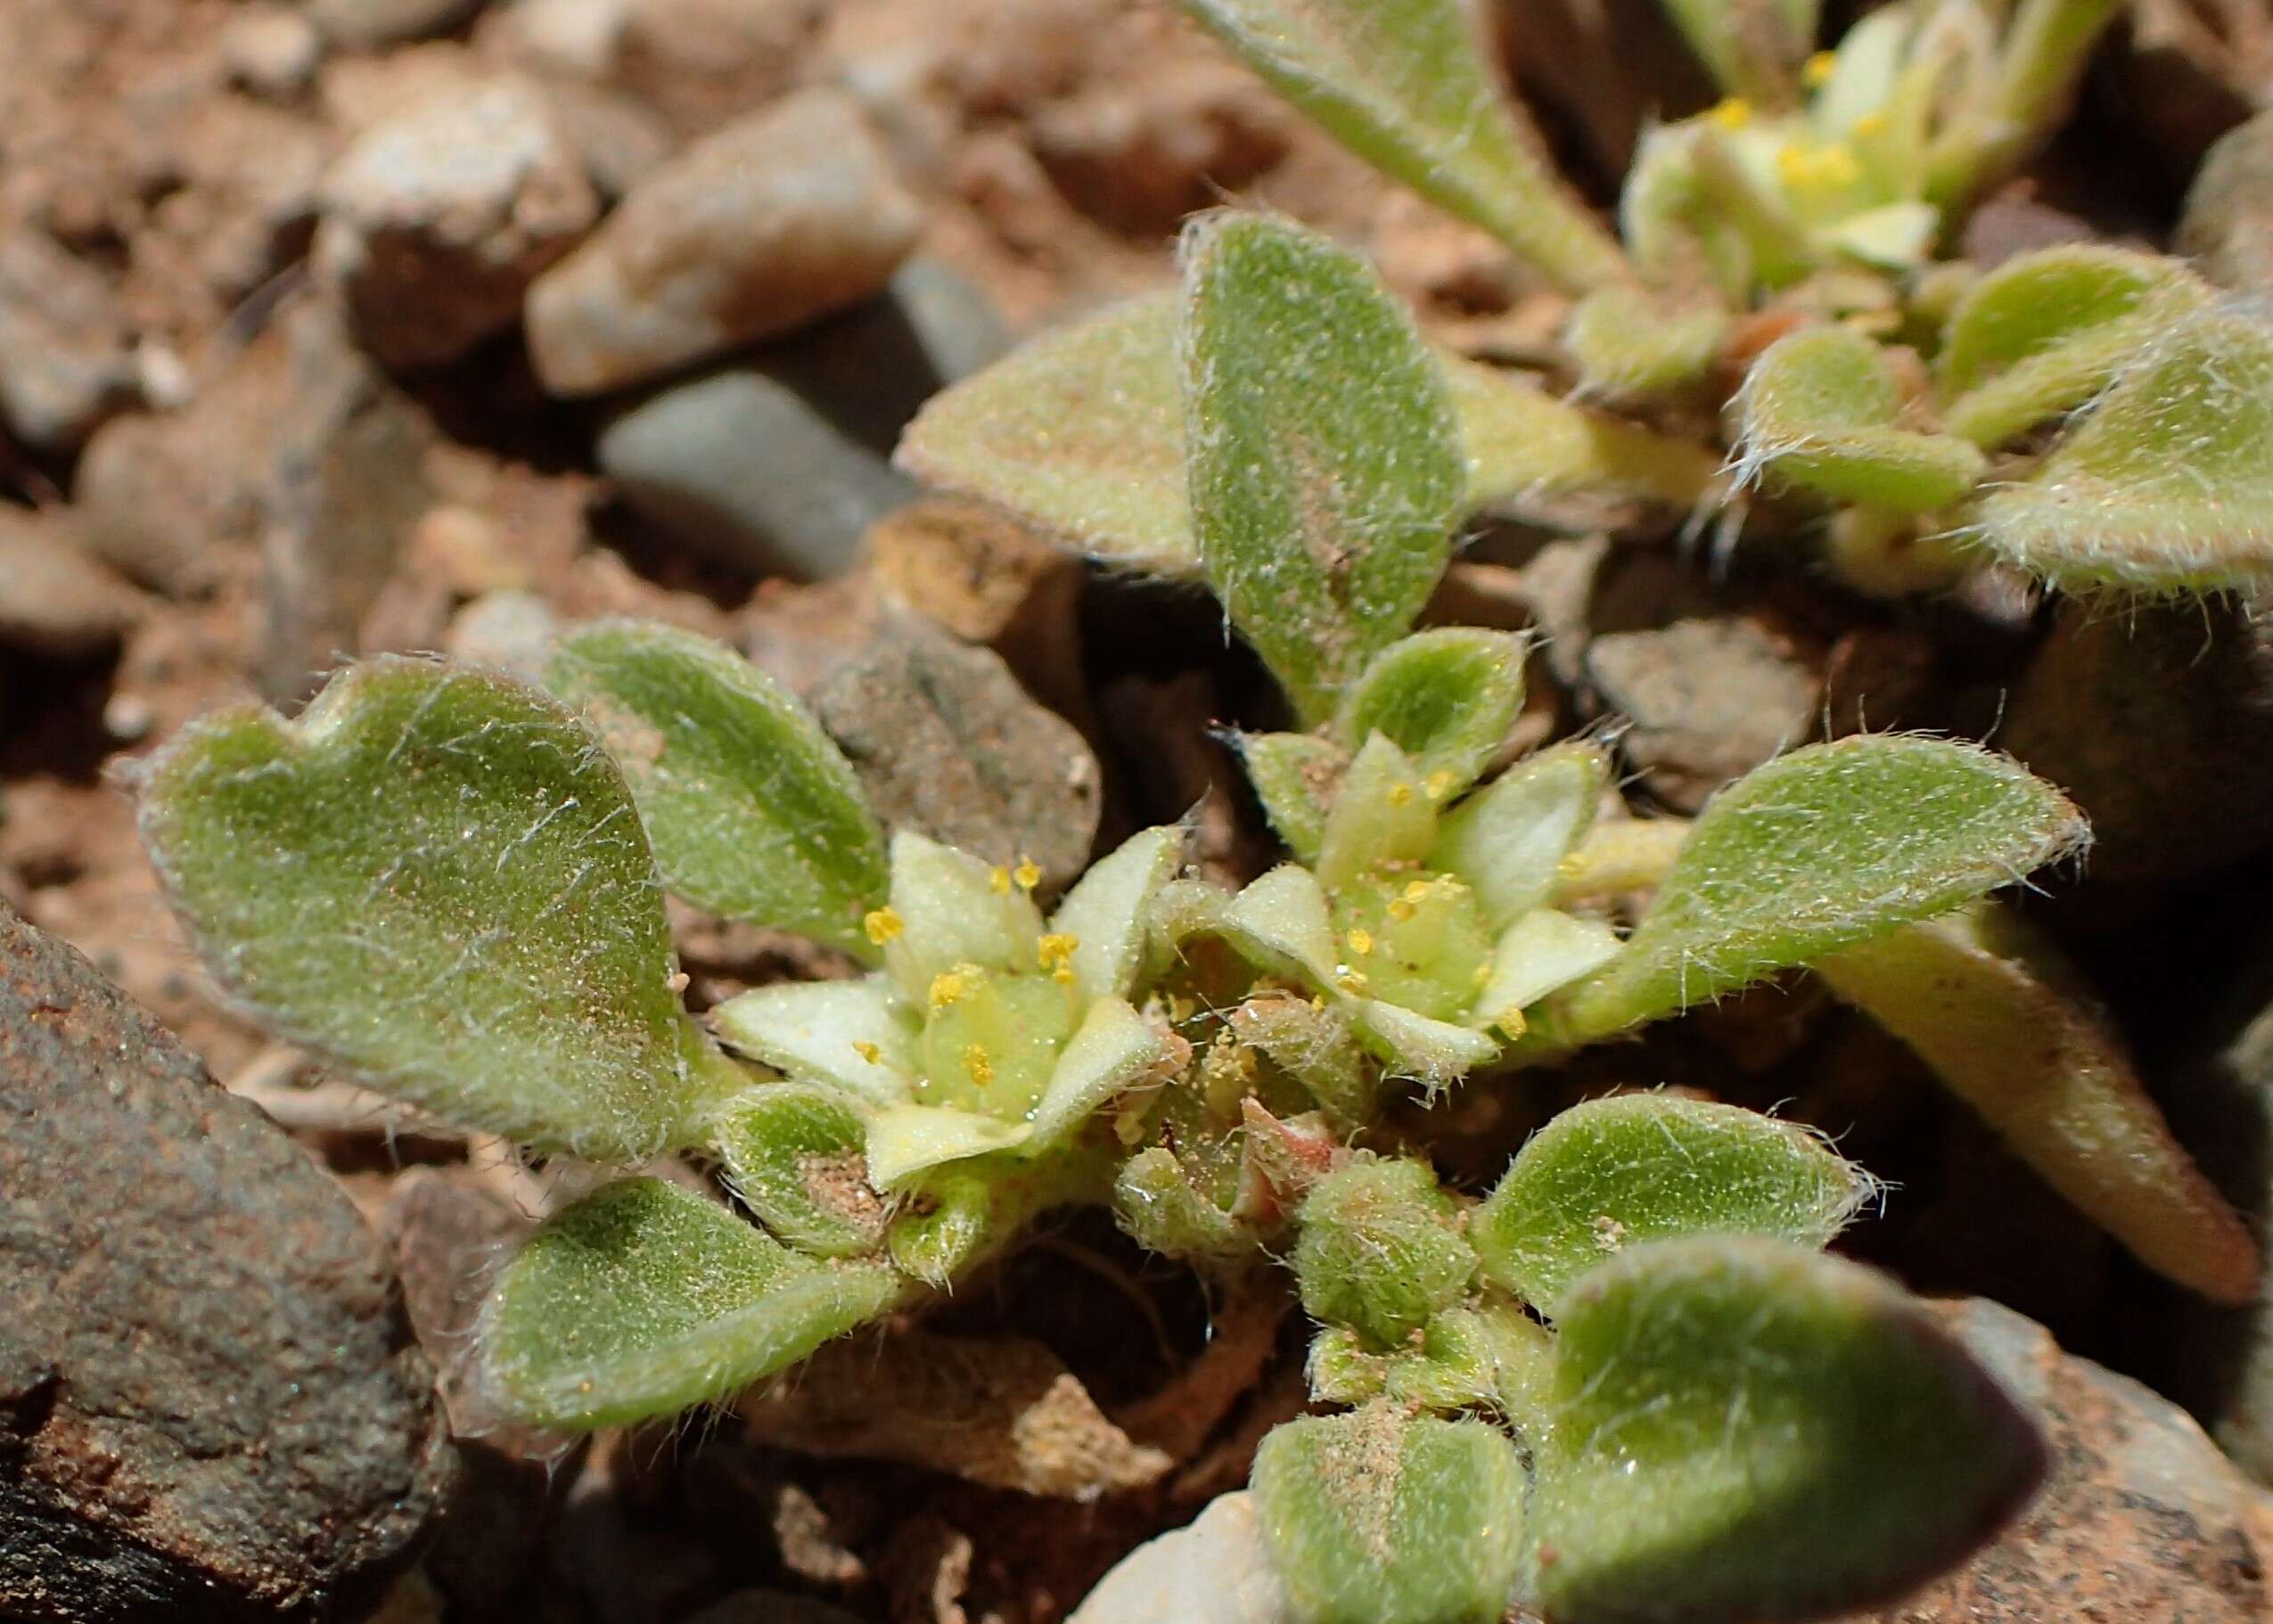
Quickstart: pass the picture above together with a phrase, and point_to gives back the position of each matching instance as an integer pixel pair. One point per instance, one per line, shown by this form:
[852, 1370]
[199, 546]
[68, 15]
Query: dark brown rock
[211, 1406]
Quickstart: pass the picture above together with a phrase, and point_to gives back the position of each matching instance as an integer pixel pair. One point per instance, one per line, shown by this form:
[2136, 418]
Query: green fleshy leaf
[2043, 333]
[1647, 1166]
[1446, 698]
[1296, 777]
[642, 1299]
[2166, 483]
[1508, 841]
[952, 909]
[1108, 912]
[1156, 1204]
[1325, 461]
[1381, 1249]
[1383, 815]
[905, 1140]
[1820, 849]
[1818, 411]
[1985, 1003]
[1281, 921]
[1455, 1366]
[1747, 1430]
[1431, 1051]
[1631, 347]
[436, 881]
[823, 1031]
[1080, 433]
[1373, 1518]
[753, 812]
[1403, 83]
[793, 1155]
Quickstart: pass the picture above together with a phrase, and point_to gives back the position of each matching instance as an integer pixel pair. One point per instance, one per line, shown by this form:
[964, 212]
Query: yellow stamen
[1830, 165]
[1512, 1022]
[1871, 126]
[1399, 793]
[1416, 891]
[869, 1052]
[1399, 909]
[999, 878]
[1439, 784]
[1361, 942]
[882, 926]
[1815, 73]
[1057, 952]
[1351, 981]
[1483, 974]
[980, 1064]
[1027, 875]
[1732, 114]
[947, 987]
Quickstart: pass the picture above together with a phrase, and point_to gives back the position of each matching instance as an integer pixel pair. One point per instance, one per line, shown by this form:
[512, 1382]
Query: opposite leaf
[436, 880]
[753, 812]
[793, 1154]
[1373, 1518]
[1975, 996]
[1746, 1429]
[2166, 483]
[1446, 698]
[1404, 85]
[1827, 846]
[1820, 410]
[1612, 1173]
[642, 1299]
[1325, 468]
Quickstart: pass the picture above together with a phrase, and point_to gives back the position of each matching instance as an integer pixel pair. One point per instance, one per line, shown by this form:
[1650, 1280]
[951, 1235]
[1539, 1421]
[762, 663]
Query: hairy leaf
[1295, 775]
[1628, 344]
[642, 1299]
[1820, 849]
[1380, 1252]
[2166, 483]
[1748, 1430]
[1820, 410]
[1984, 1003]
[753, 812]
[1373, 1518]
[793, 1155]
[1446, 698]
[2043, 333]
[1324, 461]
[1615, 1172]
[435, 880]
[1080, 433]
[1160, 1209]
[1403, 83]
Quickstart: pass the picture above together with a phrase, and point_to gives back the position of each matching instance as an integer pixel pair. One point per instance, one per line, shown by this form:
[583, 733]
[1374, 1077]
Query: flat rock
[438, 218]
[64, 360]
[211, 1406]
[55, 598]
[947, 743]
[1214, 1571]
[781, 464]
[1710, 699]
[754, 231]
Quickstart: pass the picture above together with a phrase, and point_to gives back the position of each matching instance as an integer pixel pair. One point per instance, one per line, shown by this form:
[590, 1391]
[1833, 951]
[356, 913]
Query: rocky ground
[354, 326]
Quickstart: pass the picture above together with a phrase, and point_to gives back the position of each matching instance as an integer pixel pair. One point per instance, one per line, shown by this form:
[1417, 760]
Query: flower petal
[850, 1035]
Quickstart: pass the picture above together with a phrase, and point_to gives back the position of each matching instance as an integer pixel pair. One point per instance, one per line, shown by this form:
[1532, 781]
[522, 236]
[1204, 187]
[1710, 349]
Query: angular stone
[2228, 225]
[211, 1406]
[1710, 700]
[1214, 1571]
[437, 220]
[754, 231]
[64, 362]
[54, 598]
[364, 25]
[947, 743]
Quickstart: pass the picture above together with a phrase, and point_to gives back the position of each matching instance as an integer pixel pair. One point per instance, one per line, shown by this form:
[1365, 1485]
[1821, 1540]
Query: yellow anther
[1180, 1008]
[1416, 891]
[1399, 909]
[998, 877]
[1439, 784]
[869, 1052]
[947, 987]
[1830, 165]
[980, 1064]
[1512, 1022]
[1871, 126]
[1027, 875]
[1056, 954]
[1351, 981]
[1733, 113]
[1482, 974]
[1361, 942]
[1399, 793]
[1815, 73]
[1318, 1004]
[882, 926]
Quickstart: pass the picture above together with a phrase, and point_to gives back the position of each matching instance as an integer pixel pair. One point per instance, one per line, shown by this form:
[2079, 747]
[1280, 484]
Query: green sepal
[1818, 410]
[1616, 1172]
[1748, 1430]
[1158, 1207]
[1827, 846]
[753, 811]
[1384, 816]
[1446, 698]
[1376, 1518]
[1508, 841]
[436, 881]
[1296, 777]
[642, 1299]
[1325, 460]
